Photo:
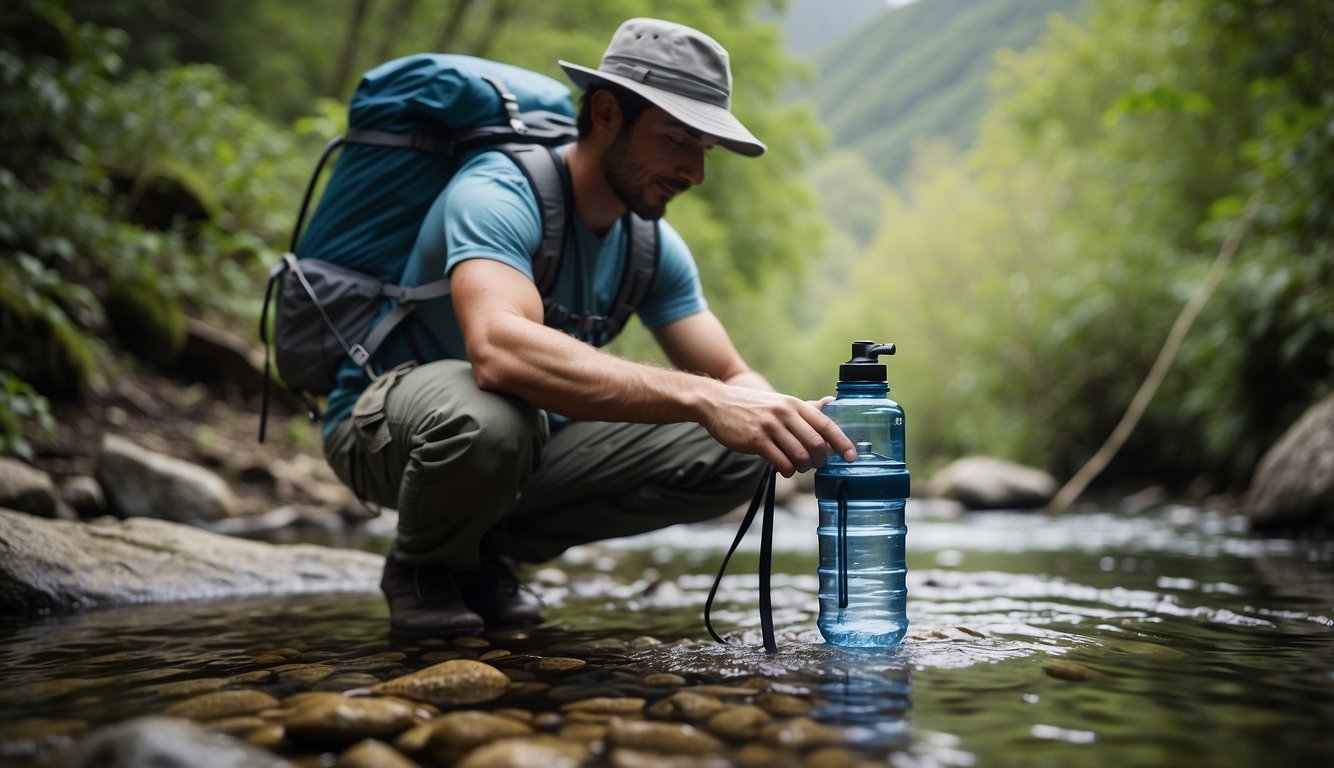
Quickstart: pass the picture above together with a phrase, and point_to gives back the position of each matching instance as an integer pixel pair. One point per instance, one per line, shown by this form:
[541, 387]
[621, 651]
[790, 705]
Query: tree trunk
[501, 11]
[393, 30]
[449, 32]
[347, 57]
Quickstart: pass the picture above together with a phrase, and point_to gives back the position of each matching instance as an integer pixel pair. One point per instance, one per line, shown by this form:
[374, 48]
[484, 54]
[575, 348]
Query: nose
[691, 167]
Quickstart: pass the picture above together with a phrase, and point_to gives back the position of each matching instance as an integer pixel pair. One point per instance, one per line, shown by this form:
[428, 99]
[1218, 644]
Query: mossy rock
[147, 322]
[41, 345]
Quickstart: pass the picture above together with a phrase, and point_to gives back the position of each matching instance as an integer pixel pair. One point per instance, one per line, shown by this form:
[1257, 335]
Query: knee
[492, 433]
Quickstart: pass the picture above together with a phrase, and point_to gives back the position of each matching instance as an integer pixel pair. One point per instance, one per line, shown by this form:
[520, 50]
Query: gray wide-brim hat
[681, 70]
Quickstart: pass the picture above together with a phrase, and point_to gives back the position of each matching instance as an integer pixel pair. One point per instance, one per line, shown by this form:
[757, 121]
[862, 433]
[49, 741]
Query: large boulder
[164, 742]
[62, 565]
[26, 489]
[1294, 481]
[141, 483]
[983, 482]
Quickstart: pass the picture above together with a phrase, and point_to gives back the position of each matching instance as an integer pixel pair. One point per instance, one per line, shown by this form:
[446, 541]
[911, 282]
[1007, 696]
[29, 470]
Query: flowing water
[1173, 637]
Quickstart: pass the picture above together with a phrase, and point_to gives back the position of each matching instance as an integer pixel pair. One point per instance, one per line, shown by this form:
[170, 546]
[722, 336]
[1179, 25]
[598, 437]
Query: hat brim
[705, 118]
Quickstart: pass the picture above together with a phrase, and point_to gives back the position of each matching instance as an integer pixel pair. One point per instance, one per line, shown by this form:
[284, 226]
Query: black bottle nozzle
[865, 364]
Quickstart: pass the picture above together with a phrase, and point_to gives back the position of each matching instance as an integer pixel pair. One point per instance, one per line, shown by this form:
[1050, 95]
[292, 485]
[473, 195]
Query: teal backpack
[336, 294]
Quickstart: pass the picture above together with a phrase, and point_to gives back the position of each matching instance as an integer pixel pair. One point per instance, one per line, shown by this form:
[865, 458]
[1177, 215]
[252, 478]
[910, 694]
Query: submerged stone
[454, 682]
[371, 753]
[604, 705]
[686, 705]
[456, 733]
[347, 721]
[220, 704]
[739, 723]
[531, 752]
[668, 738]
[1071, 671]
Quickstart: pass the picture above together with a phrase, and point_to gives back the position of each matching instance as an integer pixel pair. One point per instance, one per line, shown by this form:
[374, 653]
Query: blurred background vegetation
[1021, 193]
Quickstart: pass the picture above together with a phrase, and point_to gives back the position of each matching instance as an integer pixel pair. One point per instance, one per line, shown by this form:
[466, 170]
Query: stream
[1171, 637]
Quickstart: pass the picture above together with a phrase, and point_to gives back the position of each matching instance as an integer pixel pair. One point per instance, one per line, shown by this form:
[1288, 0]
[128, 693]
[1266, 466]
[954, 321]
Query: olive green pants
[468, 468]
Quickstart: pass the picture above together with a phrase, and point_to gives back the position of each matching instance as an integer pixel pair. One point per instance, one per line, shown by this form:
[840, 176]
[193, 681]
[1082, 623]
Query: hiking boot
[495, 593]
[425, 600]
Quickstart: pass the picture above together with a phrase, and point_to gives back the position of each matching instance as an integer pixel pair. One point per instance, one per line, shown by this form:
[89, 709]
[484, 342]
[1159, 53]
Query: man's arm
[500, 313]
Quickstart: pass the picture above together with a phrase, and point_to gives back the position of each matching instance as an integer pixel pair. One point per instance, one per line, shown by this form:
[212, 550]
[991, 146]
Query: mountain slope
[920, 71]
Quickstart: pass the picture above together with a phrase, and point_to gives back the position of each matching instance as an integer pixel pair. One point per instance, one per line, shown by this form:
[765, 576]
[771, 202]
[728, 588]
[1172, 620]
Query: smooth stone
[435, 657]
[835, 757]
[220, 704]
[456, 733]
[346, 682]
[374, 661]
[547, 721]
[188, 687]
[516, 714]
[556, 664]
[454, 682]
[372, 753]
[498, 653]
[763, 756]
[604, 705]
[532, 752]
[686, 705]
[724, 691]
[306, 673]
[799, 733]
[633, 758]
[269, 736]
[739, 723]
[414, 739]
[472, 642]
[782, 704]
[1071, 671]
[348, 721]
[664, 680]
[644, 643]
[669, 738]
[164, 742]
[236, 726]
[589, 717]
[250, 678]
[592, 734]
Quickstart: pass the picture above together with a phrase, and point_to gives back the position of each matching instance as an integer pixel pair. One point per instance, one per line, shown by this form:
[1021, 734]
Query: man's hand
[790, 433]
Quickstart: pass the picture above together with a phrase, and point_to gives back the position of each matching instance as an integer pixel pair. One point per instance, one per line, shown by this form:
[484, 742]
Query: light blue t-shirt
[488, 211]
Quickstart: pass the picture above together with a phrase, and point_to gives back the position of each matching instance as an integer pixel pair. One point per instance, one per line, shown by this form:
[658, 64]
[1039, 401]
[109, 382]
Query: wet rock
[738, 723]
[345, 721]
[556, 664]
[591, 734]
[455, 733]
[268, 736]
[763, 756]
[1294, 481]
[799, 733]
[26, 489]
[727, 691]
[373, 754]
[1071, 671]
[82, 494]
[60, 565]
[631, 758]
[493, 654]
[236, 726]
[667, 738]
[517, 715]
[532, 752]
[459, 681]
[142, 483]
[220, 704]
[835, 757]
[435, 657]
[308, 674]
[188, 687]
[664, 680]
[687, 706]
[605, 705]
[782, 704]
[346, 682]
[32, 736]
[983, 482]
[164, 742]
[547, 721]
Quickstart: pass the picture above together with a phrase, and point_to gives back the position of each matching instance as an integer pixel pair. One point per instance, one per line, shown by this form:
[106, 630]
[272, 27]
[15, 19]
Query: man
[520, 441]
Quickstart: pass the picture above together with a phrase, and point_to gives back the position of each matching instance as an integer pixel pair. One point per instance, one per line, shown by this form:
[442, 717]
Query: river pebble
[800, 733]
[329, 722]
[268, 736]
[668, 738]
[220, 704]
[250, 678]
[459, 681]
[187, 687]
[236, 726]
[763, 756]
[533, 752]
[663, 680]
[495, 653]
[782, 704]
[686, 705]
[555, 664]
[591, 734]
[31, 736]
[308, 674]
[604, 705]
[835, 757]
[738, 723]
[472, 642]
[346, 682]
[1071, 671]
[724, 691]
[456, 733]
[414, 739]
[372, 753]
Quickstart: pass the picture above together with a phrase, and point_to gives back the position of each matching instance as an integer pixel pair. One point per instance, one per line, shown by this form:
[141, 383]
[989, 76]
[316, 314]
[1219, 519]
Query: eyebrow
[674, 123]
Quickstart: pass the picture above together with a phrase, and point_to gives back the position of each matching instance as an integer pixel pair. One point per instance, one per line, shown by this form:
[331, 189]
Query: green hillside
[918, 72]
[809, 25]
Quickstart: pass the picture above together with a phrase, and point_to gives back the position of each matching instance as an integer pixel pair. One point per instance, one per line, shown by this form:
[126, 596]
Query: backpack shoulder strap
[641, 265]
[550, 181]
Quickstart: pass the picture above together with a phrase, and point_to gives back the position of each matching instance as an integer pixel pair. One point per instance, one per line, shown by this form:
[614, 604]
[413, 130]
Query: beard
[634, 183]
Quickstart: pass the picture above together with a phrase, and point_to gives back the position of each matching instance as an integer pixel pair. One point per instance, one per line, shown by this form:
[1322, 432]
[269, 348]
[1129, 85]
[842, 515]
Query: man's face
[655, 160]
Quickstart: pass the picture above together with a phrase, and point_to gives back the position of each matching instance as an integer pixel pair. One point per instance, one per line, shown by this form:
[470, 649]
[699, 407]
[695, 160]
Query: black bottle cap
[865, 364]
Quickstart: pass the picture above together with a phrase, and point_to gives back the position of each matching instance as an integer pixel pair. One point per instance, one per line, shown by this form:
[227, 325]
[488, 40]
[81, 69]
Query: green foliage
[22, 407]
[41, 346]
[920, 73]
[147, 322]
[1031, 281]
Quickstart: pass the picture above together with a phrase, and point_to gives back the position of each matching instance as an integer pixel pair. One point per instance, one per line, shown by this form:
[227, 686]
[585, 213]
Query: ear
[605, 112]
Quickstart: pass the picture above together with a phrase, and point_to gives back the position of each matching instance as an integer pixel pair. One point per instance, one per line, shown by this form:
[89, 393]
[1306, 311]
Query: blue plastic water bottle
[863, 570]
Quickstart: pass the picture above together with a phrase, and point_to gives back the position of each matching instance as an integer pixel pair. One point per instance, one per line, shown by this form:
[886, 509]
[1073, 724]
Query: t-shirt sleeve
[490, 214]
[676, 290]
